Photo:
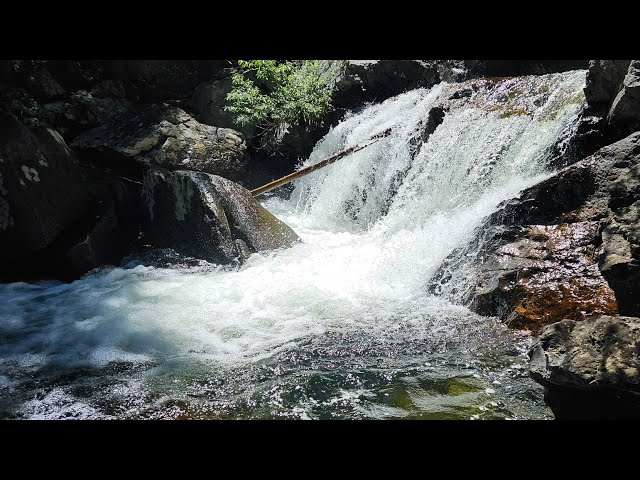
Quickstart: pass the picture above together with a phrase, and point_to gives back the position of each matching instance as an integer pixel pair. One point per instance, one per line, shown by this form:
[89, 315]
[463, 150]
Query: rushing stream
[339, 326]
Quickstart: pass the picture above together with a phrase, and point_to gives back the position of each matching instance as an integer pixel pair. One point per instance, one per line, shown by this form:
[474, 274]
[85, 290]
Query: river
[338, 326]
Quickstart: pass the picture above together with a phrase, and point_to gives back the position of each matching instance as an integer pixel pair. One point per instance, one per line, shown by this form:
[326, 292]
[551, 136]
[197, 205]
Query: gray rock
[208, 217]
[625, 108]
[210, 98]
[604, 80]
[590, 369]
[359, 81]
[41, 189]
[166, 136]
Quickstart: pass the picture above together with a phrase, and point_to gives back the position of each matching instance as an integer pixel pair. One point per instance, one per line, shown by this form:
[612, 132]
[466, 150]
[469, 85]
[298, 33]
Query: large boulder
[58, 219]
[208, 217]
[41, 190]
[613, 94]
[549, 273]
[563, 246]
[166, 136]
[359, 81]
[625, 109]
[590, 369]
[604, 80]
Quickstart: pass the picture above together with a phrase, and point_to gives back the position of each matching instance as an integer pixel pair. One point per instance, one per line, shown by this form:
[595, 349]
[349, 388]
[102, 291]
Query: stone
[359, 81]
[165, 136]
[107, 233]
[157, 80]
[624, 114]
[568, 247]
[604, 80]
[590, 369]
[548, 274]
[209, 99]
[41, 189]
[208, 217]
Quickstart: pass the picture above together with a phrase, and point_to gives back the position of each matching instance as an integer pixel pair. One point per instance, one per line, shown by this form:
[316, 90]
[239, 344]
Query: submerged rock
[590, 369]
[208, 217]
[165, 136]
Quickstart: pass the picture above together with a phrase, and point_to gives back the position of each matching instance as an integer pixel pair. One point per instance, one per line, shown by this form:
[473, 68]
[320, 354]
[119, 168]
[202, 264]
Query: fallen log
[323, 163]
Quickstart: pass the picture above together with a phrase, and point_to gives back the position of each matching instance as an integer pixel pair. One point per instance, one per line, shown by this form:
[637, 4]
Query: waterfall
[347, 309]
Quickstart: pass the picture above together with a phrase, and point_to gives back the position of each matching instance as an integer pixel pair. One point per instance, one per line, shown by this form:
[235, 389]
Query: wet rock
[41, 189]
[165, 136]
[549, 251]
[461, 70]
[209, 217]
[590, 369]
[548, 274]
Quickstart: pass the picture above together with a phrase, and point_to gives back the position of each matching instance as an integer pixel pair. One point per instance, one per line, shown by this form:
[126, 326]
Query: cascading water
[340, 326]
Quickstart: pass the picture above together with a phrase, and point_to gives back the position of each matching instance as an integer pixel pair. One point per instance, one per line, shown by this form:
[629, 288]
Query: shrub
[273, 95]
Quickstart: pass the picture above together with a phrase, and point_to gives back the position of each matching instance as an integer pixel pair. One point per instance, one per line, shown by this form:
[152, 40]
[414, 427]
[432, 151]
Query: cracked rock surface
[166, 136]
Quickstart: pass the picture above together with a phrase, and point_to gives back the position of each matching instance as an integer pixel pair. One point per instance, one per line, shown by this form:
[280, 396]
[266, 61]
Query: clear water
[339, 326]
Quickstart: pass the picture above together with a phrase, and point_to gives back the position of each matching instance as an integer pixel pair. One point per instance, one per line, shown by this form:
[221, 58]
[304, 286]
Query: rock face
[604, 80]
[613, 94]
[41, 191]
[56, 218]
[590, 369]
[460, 70]
[549, 273]
[208, 217]
[359, 81]
[625, 109]
[565, 245]
[166, 136]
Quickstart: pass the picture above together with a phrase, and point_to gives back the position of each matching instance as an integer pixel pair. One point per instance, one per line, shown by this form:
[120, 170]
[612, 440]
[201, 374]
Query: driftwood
[312, 168]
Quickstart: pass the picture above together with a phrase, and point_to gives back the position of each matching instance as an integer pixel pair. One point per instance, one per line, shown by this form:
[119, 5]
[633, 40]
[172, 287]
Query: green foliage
[271, 94]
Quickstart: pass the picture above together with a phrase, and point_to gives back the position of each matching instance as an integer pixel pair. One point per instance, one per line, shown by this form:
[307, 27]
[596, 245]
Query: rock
[624, 114]
[604, 80]
[461, 70]
[157, 80]
[208, 217]
[107, 233]
[34, 77]
[41, 189]
[359, 81]
[165, 136]
[83, 111]
[590, 369]
[548, 274]
[209, 99]
[56, 218]
[549, 251]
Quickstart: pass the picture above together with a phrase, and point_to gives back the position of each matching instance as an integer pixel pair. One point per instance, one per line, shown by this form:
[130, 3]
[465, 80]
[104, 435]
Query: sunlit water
[339, 326]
